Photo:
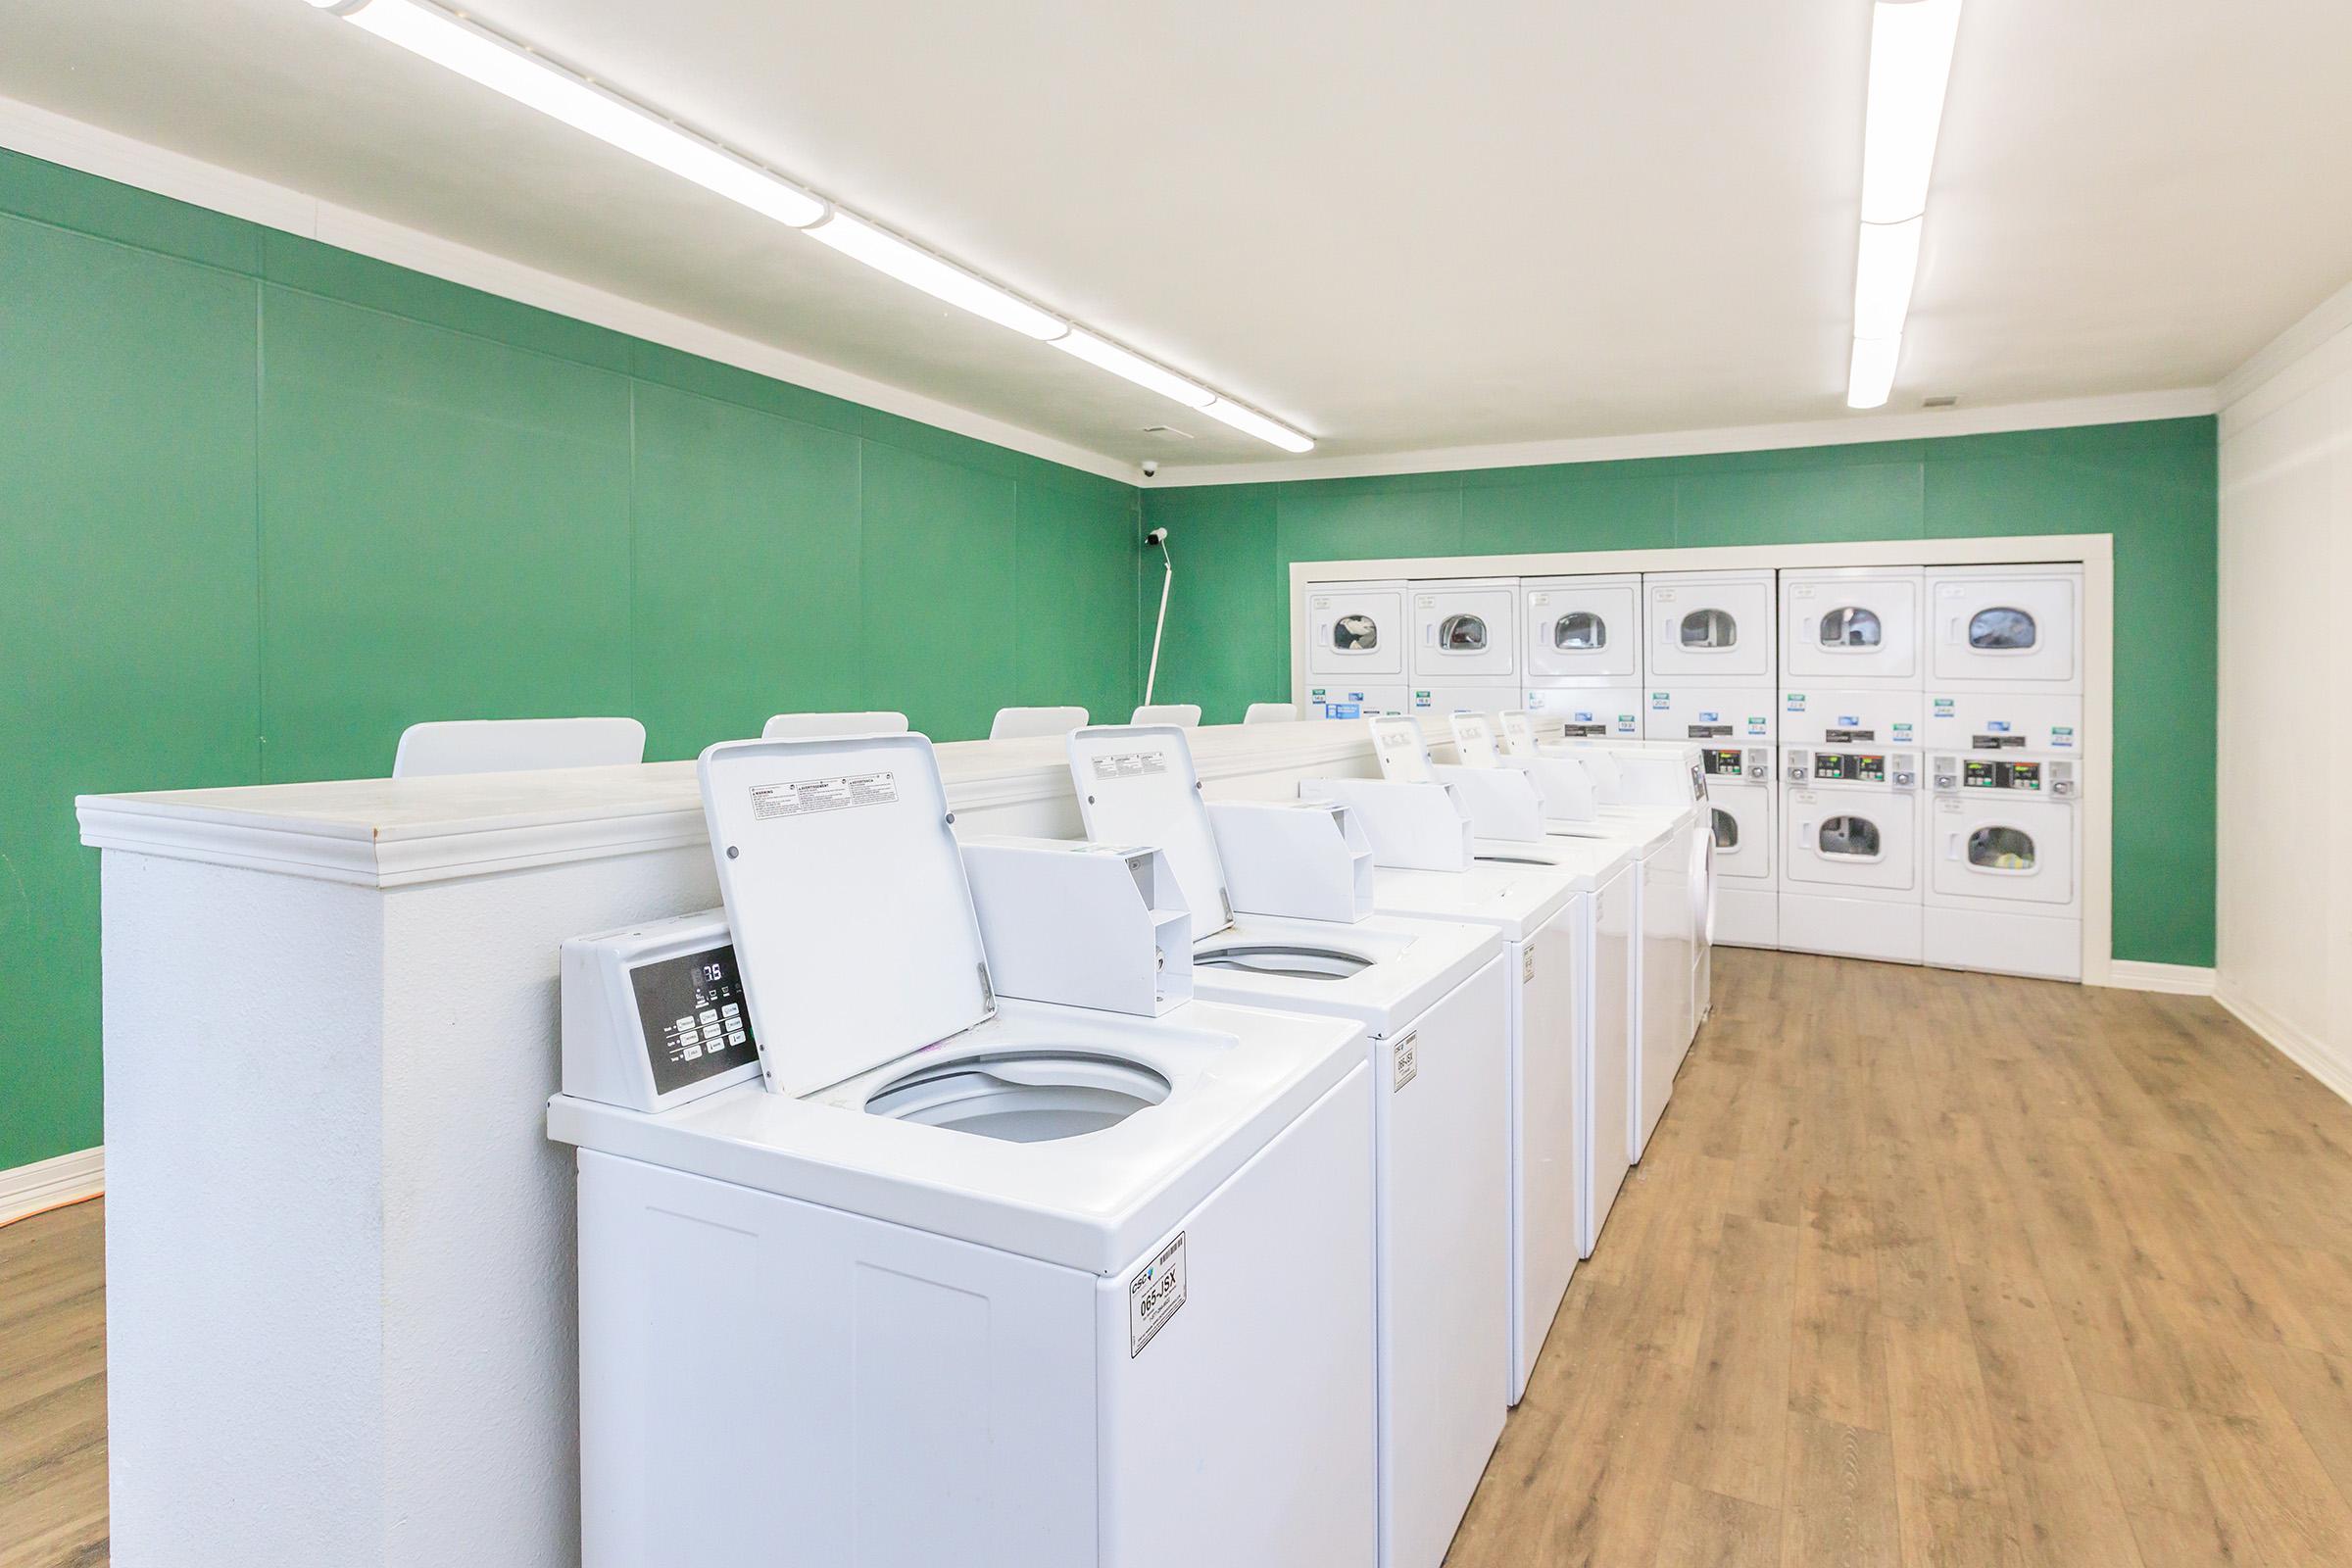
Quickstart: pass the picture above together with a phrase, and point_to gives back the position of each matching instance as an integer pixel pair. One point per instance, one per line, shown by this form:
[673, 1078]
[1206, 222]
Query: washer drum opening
[1022, 1097]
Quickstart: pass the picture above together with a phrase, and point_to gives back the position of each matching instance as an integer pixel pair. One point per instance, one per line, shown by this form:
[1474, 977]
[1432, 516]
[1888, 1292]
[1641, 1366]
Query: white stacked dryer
[1356, 634]
[1850, 851]
[1744, 792]
[1466, 655]
[2004, 863]
[1852, 666]
[1581, 643]
[2004, 658]
[1708, 658]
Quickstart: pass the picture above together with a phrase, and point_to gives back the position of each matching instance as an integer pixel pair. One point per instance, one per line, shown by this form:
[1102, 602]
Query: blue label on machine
[1343, 710]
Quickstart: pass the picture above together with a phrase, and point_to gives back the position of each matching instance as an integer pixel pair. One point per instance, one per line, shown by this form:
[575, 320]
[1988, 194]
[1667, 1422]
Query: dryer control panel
[1898, 770]
[2051, 778]
[1730, 761]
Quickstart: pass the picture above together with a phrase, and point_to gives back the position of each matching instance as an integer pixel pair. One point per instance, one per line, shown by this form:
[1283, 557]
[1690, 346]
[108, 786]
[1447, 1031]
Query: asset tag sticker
[808, 796]
[1130, 765]
[1154, 1294]
[1404, 1059]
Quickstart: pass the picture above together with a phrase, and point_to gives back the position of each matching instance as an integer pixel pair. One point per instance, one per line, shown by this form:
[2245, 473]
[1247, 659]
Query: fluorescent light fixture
[453, 42]
[480, 56]
[1870, 381]
[1108, 355]
[1884, 266]
[1252, 422]
[885, 252]
[1910, 65]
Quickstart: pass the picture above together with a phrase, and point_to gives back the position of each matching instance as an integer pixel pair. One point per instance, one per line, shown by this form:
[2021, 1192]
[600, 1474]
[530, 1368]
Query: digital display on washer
[690, 1011]
[1859, 767]
[1976, 775]
[1720, 759]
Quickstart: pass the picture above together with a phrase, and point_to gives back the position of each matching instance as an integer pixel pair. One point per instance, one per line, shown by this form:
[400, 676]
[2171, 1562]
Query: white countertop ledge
[381, 832]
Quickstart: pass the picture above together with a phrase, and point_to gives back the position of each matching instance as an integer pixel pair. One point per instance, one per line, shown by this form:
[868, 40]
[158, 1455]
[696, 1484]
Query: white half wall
[2284, 894]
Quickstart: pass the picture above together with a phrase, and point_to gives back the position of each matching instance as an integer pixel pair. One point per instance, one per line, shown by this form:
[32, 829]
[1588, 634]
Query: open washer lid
[1136, 784]
[854, 924]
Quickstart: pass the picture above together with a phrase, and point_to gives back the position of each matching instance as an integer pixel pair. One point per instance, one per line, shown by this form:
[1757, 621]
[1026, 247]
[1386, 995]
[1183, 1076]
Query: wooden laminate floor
[1946, 1270]
[1926, 1269]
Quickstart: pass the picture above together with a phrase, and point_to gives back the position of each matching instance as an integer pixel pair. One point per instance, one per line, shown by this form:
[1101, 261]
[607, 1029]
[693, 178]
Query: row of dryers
[1920, 657]
[1201, 1190]
[1894, 759]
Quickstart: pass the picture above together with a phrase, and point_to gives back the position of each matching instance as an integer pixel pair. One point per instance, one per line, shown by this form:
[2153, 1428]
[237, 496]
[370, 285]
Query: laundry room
[1568, 811]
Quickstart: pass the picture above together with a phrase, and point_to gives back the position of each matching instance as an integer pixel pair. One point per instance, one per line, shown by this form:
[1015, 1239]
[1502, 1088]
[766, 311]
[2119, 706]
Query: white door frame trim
[2094, 552]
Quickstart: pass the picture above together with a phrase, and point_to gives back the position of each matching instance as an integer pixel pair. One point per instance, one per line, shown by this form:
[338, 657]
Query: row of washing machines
[1197, 1192]
[1895, 755]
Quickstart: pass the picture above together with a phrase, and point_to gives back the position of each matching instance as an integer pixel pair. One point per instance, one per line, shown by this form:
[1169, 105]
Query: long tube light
[504, 66]
[1911, 44]
[885, 252]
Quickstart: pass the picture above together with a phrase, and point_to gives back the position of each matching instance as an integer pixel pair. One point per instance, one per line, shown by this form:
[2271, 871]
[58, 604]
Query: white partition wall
[2285, 897]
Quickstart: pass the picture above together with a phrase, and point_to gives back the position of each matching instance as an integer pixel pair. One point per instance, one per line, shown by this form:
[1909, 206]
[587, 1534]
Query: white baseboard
[2305, 1051]
[2176, 979]
[81, 1174]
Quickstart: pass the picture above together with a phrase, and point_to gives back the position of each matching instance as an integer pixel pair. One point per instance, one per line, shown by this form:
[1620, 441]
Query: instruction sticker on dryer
[1154, 1294]
[1404, 1059]
[807, 796]
[1130, 765]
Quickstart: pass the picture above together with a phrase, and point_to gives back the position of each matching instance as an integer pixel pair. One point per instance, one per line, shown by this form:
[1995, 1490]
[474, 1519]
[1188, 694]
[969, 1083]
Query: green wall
[263, 503]
[2152, 485]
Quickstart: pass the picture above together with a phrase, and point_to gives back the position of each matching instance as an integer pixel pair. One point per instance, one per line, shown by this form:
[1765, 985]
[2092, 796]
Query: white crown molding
[2173, 979]
[2121, 408]
[39, 133]
[48, 1183]
[2303, 1049]
[2331, 317]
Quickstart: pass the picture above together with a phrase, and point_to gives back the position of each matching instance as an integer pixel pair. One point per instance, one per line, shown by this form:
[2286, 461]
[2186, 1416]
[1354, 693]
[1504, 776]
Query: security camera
[1158, 536]
[1151, 468]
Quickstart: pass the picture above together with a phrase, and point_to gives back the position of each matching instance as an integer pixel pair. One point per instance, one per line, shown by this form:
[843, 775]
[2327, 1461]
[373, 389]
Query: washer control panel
[655, 1014]
[1898, 770]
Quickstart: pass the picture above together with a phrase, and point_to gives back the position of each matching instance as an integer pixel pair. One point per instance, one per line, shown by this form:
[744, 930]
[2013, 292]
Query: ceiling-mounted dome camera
[1151, 468]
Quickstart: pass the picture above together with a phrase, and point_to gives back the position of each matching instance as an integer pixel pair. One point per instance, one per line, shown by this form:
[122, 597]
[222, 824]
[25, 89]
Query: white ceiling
[1399, 226]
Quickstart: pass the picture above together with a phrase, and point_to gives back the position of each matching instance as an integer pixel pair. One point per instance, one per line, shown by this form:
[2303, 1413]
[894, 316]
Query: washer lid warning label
[1404, 1059]
[810, 796]
[1154, 1294]
[1130, 765]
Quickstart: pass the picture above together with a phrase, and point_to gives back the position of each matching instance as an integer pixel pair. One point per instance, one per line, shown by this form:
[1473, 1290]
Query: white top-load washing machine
[2004, 658]
[1850, 869]
[1356, 635]
[1465, 645]
[2004, 863]
[1505, 815]
[1662, 839]
[1282, 900]
[1426, 852]
[1708, 656]
[954, 1277]
[1582, 659]
[1645, 777]
[1852, 667]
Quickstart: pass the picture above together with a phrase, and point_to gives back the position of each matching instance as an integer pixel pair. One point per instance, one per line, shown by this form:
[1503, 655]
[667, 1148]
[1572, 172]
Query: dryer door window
[1851, 626]
[1356, 634]
[1727, 829]
[1851, 838]
[1462, 634]
[2000, 848]
[1579, 632]
[1710, 629]
[2002, 629]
